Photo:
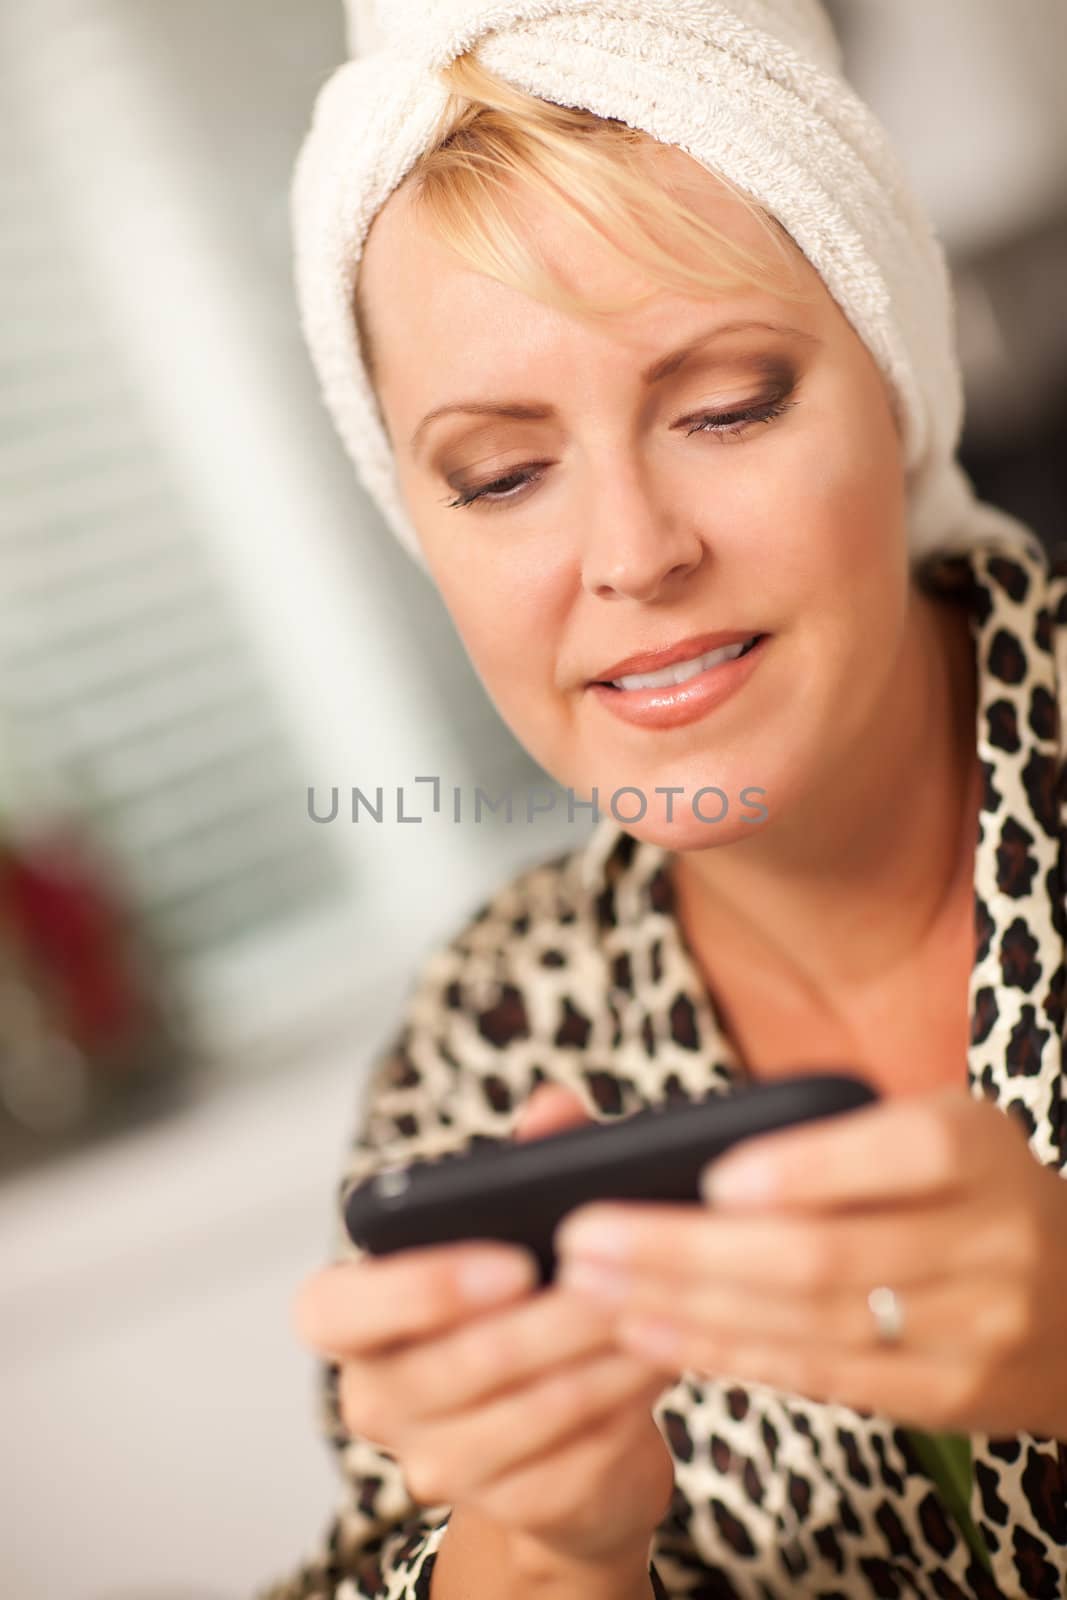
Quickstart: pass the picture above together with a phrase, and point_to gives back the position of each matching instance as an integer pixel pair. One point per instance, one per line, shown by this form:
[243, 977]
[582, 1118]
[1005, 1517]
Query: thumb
[550, 1109]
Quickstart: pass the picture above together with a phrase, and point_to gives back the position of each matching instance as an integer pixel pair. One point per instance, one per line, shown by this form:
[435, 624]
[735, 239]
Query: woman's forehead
[428, 307]
[400, 241]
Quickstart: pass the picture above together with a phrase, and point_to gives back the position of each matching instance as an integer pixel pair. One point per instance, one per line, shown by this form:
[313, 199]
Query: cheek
[862, 453]
[836, 499]
[511, 634]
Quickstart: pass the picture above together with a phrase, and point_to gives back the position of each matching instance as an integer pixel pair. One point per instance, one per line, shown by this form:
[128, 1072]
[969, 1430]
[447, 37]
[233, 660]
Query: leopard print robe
[576, 973]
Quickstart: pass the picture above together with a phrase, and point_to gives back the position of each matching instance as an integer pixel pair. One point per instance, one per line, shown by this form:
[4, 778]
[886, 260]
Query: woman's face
[615, 524]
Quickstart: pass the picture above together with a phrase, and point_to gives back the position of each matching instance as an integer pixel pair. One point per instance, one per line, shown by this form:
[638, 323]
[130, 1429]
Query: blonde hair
[491, 137]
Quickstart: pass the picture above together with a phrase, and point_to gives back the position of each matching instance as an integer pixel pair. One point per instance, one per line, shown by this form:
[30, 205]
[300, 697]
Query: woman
[678, 451]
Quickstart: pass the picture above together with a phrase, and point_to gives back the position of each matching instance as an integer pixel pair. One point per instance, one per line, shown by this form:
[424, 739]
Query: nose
[635, 546]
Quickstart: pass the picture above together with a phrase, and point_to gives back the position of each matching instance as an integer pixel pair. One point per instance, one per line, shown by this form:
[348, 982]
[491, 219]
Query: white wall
[971, 93]
[159, 1415]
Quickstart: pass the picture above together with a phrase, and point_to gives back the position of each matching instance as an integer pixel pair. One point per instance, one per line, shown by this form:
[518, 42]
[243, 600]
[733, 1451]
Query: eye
[492, 492]
[732, 424]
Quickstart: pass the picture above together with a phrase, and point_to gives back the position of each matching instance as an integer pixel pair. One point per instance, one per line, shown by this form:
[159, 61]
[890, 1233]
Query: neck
[850, 892]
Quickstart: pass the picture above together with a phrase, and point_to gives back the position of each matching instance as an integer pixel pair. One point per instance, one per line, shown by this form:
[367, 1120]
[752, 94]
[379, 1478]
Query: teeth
[682, 671]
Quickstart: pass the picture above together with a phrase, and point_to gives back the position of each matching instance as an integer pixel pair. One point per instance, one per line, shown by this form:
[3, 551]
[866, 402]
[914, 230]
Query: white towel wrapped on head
[751, 89]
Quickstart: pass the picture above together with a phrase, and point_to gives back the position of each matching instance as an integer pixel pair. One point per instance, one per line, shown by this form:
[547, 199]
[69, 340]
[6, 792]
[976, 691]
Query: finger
[903, 1244]
[914, 1387]
[551, 1108]
[917, 1146]
[495, 1354]
[953, 1319]
[586, 1466]
[358, 1307]
[458, 1453]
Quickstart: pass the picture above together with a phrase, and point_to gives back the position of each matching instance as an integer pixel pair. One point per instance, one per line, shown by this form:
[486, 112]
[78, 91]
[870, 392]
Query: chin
[686, 833]
[709, 806]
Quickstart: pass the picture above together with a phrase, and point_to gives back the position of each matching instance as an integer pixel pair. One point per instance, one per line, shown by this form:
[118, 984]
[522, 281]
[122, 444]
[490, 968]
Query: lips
[698, 644]
[675, 705]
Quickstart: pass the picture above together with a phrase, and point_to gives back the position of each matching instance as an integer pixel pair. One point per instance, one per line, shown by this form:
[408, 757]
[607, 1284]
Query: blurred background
[204, 631]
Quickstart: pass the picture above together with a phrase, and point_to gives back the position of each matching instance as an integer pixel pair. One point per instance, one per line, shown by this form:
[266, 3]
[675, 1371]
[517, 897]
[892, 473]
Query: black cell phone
[520, 1192]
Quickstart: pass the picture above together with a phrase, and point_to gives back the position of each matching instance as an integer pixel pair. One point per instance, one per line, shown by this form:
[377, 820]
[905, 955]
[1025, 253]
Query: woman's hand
[523, 1410]
[938, 1197]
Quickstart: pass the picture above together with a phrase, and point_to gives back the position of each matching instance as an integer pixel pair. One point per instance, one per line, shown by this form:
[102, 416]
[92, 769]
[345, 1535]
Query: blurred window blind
[130, 694]
[124, 671]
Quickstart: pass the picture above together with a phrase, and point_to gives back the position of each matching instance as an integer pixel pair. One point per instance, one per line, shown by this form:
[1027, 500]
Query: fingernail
[488, 1278]
[595, 1236]
[737, 1181]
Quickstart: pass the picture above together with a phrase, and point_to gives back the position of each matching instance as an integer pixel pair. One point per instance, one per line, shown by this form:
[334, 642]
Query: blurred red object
[71, 925]
[82, 1001]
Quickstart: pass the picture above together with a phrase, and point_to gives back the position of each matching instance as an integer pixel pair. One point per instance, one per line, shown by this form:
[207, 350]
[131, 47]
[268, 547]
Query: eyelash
[730, 422]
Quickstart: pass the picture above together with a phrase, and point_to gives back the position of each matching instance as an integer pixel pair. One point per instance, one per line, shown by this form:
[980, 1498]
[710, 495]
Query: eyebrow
[663, 367]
